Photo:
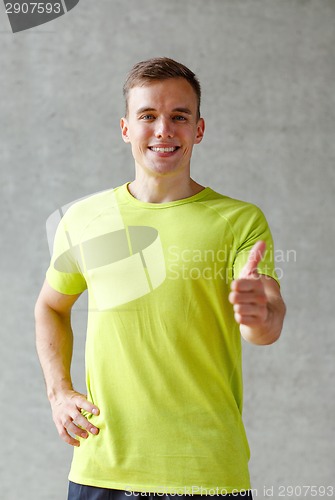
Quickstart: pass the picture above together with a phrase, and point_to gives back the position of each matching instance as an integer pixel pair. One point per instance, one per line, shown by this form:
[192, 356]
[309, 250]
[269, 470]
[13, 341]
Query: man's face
[162, 126]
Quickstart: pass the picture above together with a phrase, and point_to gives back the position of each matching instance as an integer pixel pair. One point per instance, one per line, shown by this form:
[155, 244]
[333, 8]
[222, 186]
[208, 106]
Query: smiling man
[162, 125]
[176, 273]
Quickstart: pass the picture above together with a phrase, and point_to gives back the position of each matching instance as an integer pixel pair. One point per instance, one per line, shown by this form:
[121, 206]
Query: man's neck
[153, 190]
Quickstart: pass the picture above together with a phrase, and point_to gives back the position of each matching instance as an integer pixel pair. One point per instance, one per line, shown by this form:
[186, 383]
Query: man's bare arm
[54, 343]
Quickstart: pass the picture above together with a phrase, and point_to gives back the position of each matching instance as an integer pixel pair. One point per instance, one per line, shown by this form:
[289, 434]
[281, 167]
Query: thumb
[255, 256]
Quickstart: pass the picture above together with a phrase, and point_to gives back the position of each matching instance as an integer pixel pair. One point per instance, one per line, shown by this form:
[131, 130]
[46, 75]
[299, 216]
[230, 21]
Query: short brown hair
[159, 68]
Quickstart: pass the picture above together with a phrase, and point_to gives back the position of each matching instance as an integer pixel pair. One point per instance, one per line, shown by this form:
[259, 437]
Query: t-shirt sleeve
[64, 273]
[252, 228]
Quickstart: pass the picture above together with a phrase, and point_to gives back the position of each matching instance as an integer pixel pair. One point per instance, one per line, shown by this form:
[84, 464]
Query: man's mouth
[158, 149]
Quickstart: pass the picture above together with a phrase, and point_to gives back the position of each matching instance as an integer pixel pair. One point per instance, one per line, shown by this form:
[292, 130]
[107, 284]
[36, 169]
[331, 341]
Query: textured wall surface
[267, 69]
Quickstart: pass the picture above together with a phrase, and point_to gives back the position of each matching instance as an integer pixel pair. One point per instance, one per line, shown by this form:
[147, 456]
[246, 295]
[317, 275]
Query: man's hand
[258, 306]
[66, 411]
[248, 294]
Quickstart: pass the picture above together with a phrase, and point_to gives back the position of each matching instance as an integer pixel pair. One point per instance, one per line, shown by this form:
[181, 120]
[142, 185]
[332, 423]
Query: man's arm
[257, 301]
[54, 343]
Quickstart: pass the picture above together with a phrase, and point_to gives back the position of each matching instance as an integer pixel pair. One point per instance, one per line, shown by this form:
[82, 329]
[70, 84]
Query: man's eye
[179, 118]
[147, 117]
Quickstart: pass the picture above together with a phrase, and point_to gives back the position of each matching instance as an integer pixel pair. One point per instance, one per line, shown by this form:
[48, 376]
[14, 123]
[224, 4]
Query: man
[175, 273]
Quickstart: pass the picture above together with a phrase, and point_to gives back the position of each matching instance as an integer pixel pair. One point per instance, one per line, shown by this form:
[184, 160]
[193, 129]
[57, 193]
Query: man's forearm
[54, 343]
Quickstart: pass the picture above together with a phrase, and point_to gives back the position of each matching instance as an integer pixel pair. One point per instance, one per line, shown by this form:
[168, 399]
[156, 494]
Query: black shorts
[81, 492]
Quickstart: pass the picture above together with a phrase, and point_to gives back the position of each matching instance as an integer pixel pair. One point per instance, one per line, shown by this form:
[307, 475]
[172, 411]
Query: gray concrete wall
[267, 69]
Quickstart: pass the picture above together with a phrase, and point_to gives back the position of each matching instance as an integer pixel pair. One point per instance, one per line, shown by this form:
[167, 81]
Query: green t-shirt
[163, 351]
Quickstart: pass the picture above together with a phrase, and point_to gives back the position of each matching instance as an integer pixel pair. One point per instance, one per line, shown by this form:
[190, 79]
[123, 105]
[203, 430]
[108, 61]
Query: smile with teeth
[158, 149]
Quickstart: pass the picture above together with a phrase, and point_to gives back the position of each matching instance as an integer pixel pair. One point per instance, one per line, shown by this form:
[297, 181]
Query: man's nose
[164, 128]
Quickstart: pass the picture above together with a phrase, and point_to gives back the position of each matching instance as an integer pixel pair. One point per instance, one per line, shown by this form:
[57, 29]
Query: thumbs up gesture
[248, 294]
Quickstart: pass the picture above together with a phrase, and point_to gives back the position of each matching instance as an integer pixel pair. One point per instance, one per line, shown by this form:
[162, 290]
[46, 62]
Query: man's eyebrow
[187, 111]
[146, 109]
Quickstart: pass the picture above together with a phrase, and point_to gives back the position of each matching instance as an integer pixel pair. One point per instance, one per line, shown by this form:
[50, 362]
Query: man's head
[160, 68]
[162, 121]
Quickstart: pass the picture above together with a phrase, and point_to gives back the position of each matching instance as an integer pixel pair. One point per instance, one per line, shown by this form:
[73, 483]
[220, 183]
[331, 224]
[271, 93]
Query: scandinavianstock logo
[131, 258]
[24, 15]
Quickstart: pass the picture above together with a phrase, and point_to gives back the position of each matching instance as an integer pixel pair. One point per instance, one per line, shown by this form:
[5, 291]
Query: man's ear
[124, 129]
[200, 131]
